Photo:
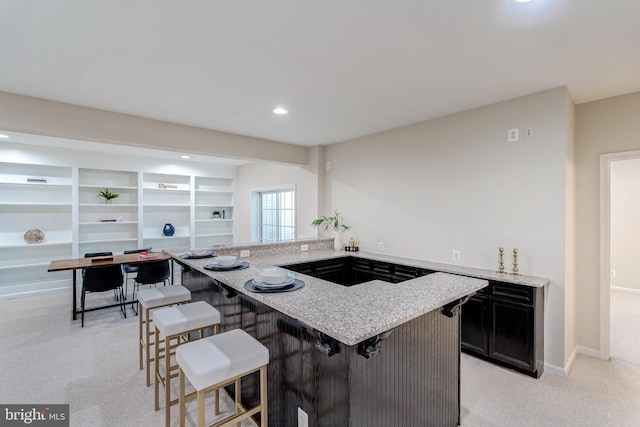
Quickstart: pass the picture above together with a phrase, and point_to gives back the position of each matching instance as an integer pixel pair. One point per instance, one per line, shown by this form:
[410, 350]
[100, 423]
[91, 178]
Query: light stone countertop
[349, 314]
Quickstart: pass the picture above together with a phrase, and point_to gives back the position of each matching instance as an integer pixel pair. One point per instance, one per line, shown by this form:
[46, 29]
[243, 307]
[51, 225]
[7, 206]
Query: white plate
[260, 284]
[215, 264]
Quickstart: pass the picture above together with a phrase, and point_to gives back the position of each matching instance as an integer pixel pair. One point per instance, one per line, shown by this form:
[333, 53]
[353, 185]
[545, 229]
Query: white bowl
[227, 260]
[199, 252]
[273, 275]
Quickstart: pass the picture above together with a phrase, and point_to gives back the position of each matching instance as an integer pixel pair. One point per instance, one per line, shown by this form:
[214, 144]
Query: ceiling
[343, 69]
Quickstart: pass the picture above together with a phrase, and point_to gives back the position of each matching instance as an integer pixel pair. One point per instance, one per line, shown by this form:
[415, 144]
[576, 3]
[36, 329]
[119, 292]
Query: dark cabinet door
[474, 325]
[511, 336]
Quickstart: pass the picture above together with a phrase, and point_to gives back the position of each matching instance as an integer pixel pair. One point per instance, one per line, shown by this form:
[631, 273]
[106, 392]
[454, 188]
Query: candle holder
[515, 262]
[500, 260]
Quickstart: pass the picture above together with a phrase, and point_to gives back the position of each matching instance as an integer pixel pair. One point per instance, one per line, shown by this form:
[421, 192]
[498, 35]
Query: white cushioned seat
[186, 317]
[218, 358]
[165, 295]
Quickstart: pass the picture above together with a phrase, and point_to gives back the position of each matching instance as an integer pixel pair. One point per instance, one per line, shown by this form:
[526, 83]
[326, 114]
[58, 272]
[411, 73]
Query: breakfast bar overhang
[372, 354]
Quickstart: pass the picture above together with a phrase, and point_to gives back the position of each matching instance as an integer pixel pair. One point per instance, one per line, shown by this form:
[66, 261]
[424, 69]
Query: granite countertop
[348, 314]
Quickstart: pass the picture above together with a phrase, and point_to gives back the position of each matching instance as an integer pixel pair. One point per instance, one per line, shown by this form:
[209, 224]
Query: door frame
[605, 246]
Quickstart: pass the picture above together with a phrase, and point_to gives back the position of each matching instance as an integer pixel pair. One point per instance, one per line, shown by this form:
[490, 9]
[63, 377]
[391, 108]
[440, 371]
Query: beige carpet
[625, 327]
[46, 358]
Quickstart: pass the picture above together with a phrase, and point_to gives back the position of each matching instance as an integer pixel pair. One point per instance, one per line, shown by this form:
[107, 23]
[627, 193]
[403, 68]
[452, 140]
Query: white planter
[337, 242]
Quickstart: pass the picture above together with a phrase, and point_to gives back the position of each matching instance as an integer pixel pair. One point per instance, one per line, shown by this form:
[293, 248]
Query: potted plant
[334, 222]
[215, 214]
[108, 195]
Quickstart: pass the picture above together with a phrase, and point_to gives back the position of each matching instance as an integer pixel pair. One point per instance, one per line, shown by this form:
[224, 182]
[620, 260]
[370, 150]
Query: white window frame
[256, 212]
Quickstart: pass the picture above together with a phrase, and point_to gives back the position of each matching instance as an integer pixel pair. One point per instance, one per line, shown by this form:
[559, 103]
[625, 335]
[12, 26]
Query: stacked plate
[273, 278]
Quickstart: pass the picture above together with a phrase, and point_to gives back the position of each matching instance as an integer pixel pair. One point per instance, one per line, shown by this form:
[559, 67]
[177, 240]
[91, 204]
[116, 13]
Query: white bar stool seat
[177, 323]
[218, 361]
[150, 299]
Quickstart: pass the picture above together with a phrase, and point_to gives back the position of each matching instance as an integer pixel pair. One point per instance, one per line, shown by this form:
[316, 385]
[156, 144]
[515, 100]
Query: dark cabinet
[349, 271]
[505, 324]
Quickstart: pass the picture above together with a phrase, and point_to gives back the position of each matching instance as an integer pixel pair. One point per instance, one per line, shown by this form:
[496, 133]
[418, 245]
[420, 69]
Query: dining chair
[101, 279]
[131, 269]
[151, 273]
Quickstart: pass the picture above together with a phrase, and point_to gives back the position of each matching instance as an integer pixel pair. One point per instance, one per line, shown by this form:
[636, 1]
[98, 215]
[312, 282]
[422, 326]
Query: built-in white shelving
[63, 202]
[107, 225]
[33, 197]
[213, 211]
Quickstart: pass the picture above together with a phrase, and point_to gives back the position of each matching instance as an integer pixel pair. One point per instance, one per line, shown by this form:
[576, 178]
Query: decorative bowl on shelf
[34, 235]
[226, 261]
[273, 275]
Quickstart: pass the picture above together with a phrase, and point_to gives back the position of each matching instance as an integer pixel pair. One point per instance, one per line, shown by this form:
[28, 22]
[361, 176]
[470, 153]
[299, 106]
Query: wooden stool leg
[217, 403]
[263, 397]
[238, 398]
[167, 377]
[181, 397]
[201, 408]
[148, 343]
[140, 333]
[156, 381]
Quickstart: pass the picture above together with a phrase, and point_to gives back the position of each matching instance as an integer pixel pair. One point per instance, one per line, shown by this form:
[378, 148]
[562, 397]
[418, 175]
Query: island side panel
[414, 380]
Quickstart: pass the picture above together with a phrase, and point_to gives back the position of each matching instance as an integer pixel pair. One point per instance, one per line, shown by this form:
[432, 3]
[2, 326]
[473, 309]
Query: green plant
[108, 194]
[334, 222]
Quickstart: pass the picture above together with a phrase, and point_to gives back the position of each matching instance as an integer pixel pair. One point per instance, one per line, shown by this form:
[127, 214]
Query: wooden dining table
[76, 264]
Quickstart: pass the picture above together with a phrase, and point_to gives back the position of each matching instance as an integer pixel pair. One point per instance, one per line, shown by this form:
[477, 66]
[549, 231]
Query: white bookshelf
[213, 195]
[63, 202]
[33, 197]
[107, 226]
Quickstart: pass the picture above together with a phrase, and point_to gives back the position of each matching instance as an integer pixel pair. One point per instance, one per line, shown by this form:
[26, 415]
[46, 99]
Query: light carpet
[47, 358]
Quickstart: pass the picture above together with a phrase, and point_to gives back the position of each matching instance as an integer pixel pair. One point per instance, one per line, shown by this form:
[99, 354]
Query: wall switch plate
[613, 273]
[303, 418]
[456, 255]
[304, 248]
[245, 253]
[381, 246]
[328, 165]
[512, 135]
[528, 132]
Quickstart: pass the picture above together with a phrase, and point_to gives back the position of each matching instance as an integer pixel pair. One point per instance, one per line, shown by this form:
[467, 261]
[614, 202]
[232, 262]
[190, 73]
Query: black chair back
[102, 278]
[153, 272]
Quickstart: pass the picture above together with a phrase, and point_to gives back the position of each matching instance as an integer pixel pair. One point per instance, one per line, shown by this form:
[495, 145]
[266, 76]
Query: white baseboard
[625, 290]
[554, 370]
[563, 372]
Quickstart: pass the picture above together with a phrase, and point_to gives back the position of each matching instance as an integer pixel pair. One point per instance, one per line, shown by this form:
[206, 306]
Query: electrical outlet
[456, 255]
[304, 248]
[381, 246]
[613, 273]
[245, 253]
[303, 418]
[512, 135]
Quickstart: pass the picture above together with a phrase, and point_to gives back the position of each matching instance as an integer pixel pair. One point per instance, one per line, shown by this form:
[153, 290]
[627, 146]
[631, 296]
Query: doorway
[620, 255]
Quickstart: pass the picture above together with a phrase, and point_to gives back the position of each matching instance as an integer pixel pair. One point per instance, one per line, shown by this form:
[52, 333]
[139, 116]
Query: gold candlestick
[500, 260]
[515, 261]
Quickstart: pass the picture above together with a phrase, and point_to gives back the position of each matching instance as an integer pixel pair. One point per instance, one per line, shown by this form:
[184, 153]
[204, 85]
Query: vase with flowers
[335, 223]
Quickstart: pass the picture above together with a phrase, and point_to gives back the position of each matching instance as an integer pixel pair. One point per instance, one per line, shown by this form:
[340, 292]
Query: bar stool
[218, 361]
[176, 324]
[150, 299]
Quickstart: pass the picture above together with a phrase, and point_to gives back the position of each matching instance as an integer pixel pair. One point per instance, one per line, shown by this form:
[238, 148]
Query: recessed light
[522, 1]
[185, 156]
[280, 111]
[3, 136]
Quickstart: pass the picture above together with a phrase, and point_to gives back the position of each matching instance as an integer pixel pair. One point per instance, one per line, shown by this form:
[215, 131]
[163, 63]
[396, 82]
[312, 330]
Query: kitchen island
[371, 354]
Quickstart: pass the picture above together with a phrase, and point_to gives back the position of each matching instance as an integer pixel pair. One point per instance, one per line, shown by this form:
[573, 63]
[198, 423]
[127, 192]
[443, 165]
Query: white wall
[625, 223]
[607, 126]
[456, 183]
[262, 175]
[41, 117]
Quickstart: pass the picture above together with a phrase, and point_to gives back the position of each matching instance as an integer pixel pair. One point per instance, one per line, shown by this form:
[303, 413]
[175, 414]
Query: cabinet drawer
[516, 293]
